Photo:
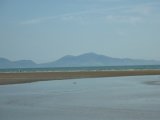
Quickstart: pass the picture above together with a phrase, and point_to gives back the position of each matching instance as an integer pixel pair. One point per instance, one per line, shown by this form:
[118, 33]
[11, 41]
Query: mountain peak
[90, 53]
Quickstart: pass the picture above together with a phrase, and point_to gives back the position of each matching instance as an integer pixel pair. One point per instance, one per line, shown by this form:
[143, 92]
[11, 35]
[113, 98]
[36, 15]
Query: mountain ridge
[83, 60]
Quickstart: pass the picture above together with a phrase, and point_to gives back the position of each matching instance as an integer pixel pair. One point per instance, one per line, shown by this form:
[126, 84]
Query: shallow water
[114, 98]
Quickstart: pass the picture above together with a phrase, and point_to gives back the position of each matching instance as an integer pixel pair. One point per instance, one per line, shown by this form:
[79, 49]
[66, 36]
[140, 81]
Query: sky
[45, 30]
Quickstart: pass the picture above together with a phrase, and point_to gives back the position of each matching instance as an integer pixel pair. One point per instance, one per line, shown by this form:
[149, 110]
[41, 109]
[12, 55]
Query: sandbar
[27, 77]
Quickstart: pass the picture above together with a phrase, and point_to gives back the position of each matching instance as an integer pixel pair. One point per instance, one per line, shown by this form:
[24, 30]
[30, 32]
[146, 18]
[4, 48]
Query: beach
[27, 77]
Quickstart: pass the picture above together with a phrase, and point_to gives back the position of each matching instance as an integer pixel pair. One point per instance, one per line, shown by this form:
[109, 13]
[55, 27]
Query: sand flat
[22, 77]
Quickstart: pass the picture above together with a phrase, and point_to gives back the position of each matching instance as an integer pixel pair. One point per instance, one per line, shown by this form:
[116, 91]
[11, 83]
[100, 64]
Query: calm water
[116, 98]
[103, 68]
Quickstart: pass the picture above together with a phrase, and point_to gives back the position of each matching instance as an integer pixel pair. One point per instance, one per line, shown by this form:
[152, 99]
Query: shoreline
[28, 77]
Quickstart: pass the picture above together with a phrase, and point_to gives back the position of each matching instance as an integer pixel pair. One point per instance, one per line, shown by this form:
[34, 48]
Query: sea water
[94, 68]
[111, 98]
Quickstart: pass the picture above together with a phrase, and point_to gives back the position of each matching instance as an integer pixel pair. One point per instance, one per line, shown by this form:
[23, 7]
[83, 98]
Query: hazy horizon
[47, 30]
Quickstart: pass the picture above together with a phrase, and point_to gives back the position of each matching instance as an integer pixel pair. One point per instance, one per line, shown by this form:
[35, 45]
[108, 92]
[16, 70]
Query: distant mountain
[88, 59]
[93, 59]
[5, 63]
[25, 64]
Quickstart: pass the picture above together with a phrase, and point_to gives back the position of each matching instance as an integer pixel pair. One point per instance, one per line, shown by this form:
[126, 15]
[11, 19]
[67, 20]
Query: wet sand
[22, 77]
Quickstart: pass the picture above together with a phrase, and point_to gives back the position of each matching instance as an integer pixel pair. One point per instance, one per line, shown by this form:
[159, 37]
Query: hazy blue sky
[45, 30]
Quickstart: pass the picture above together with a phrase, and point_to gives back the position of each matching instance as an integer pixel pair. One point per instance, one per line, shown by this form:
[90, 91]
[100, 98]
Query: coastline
[22, 77]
